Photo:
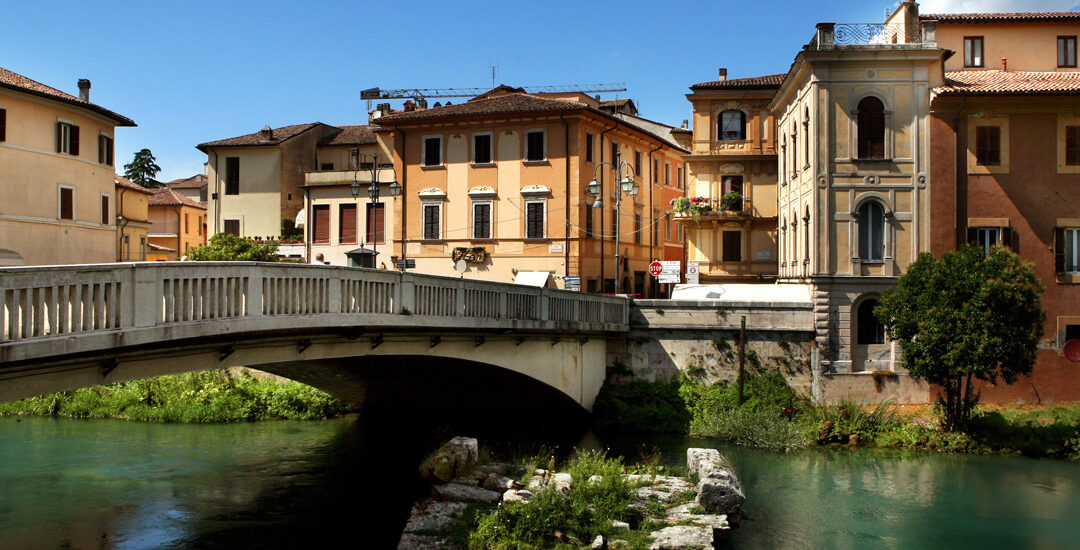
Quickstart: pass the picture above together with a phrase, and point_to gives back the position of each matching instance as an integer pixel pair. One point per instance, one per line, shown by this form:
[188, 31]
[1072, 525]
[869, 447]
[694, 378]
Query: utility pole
[742, 356]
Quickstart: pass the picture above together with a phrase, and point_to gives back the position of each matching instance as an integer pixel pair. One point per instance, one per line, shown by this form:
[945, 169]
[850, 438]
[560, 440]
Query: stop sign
[655, 269]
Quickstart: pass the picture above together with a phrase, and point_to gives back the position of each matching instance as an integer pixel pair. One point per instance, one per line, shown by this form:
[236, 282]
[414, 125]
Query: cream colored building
[132, 220]
[57, 181]
[853, 202]
[177, 224]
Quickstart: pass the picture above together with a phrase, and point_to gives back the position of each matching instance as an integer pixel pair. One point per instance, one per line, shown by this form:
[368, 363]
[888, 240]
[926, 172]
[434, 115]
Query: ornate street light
[623, 173]
[373, 189]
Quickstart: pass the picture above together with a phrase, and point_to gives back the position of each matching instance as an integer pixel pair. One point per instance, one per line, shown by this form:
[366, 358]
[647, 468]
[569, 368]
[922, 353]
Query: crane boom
[416, 93]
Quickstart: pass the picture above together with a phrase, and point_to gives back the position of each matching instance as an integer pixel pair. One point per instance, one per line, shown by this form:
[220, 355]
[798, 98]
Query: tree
[143, 169]
[230, 248]
[968, 315]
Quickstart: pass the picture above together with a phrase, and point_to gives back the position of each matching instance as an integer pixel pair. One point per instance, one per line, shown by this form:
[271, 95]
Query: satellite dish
[460, 266]
[1072, 350]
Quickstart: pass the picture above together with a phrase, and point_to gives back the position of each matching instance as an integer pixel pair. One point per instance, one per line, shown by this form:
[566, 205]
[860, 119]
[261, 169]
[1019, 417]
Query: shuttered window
[1067, 250]
[534, 220]
[3, 124]
[232, 227]
[482, 149]
[588, 221]
[1072, 145]
[105, 150]
[320, 226]
[104, 210]
[431, 221]
[871, 126]
[588, 147]
[534, 146]
[482, 220]
[347, 223]
[732, 125]
[232, 175]
[732, 246]
[871, 232]
[67, 138]
[375, 220]
[432, 151]
[67, 203]
[988, 145]
[637, 228]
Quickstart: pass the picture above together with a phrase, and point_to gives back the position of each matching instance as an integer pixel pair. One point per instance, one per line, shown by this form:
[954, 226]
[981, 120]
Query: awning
[541, 279]
[744, 292]
[361, 252]
[301, 217]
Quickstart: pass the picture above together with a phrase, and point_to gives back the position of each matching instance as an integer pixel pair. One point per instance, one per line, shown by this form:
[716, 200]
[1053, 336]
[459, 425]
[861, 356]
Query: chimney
[685, 124]
[383, 108]
[266, 133]
[421, 103]
[1004, 64]
[723, 73]
[410, 106]
[84, 90]
[437, 104]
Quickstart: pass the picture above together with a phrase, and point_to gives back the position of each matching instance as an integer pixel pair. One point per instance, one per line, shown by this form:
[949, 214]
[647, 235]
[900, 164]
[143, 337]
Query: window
[655, 170]
[871, 128]
[320, 223]
[67, 138]
[655, 228]
[232, 175]
[432, 151]
[534, 220]
[326, 166]
[988, 145]
[588, 221]
[732, 246]
[806, 136]
[3, 124]
[614, 150]
[783, 161]
[1066, 51]
[105, 210]
[232, 227]
[105, 150]
[973, 51]
[679, 171]
[376, 218]
[187, 222]
[637, 163]
[347, 223]
[669, 228]
[588, 147]
[732, 125]
[67, 203]
[481, 220]
[794, 149]
[431, 221]
[199, 228]
[806, 237]
[985, 237]
[534, 146]
[870, 331]
[637, 228]
[871, 232]
[1072, 145]
[1067, 250]
[482, 148]
[731, 184]
[667, 173]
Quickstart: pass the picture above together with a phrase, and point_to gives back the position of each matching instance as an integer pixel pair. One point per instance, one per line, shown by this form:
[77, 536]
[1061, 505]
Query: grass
[207, 396]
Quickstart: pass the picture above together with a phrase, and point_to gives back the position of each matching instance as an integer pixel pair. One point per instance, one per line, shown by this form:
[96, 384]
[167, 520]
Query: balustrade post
[504, 298]
[253, 301]
[406, 294]
[459, 302]
[542, 306]
[146, 307]
[333, 292]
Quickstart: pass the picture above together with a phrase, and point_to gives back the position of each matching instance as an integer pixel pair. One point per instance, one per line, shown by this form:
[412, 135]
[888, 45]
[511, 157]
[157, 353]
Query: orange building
[132, 220]
[177, 224]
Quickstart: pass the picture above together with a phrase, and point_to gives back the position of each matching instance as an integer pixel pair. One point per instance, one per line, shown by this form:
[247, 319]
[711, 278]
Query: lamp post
[624, 175]
[373, 189]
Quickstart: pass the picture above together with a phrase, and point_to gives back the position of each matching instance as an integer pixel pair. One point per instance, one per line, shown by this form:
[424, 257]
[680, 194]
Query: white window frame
[543, 223]
[1075, 252]
[423, 220]
[982, 234]
[884, 228]
[491, 219]
[112, 210]
[491, 148]
[59, 202]
[525, 149]
[423, 151]
[65, 136]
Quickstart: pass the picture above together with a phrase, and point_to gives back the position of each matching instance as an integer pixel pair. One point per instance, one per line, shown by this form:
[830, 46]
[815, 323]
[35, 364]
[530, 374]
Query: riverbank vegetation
[773, 416]
[207, 396]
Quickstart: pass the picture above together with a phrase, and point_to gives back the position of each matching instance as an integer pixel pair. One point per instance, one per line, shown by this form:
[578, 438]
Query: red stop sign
[655, 269]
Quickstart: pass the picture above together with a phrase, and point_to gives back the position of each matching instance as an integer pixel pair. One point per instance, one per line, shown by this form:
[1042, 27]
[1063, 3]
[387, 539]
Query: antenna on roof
[493, 75]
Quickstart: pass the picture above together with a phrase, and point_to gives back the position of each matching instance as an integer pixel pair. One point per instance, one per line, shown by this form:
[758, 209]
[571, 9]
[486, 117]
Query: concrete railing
[57, 301]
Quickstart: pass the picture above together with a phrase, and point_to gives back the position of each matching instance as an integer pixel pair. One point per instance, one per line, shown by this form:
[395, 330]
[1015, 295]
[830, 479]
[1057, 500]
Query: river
[116, 484]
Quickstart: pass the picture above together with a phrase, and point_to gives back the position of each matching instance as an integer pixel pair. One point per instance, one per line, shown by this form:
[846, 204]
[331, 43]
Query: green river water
[349, 483]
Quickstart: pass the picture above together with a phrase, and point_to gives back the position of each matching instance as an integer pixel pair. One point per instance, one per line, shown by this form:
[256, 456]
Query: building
[1005, 166]
[132, 220]
[500, 182]
[194, 187]
[177, 224]
[732, 165]
[57, 181]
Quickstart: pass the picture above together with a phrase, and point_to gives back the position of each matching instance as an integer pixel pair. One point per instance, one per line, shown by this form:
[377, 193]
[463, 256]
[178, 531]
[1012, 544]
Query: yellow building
[57, 182]
[177, 224]
[732, 225]
[132, 220]
[500, 182]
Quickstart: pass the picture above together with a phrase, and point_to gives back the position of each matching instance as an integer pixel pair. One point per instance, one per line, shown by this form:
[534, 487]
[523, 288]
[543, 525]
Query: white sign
[672, 272]
[691, 273]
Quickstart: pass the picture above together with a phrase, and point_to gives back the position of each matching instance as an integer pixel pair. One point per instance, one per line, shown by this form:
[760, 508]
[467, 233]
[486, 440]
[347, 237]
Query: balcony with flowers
[731, 205]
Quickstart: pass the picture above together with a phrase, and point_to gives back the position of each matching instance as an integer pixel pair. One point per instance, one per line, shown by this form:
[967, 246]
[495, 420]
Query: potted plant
[694, 206]
[732, 201]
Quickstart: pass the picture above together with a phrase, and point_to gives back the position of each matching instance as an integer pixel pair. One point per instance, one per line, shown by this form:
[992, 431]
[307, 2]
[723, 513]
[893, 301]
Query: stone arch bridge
[67, 327]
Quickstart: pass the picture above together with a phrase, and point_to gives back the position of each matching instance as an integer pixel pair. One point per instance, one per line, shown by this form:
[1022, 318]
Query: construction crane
[424, 93]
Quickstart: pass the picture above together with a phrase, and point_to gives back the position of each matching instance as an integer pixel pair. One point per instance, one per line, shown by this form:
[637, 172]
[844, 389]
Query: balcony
[725, 147]
[340, 177]
[729, 207]
[894, 35]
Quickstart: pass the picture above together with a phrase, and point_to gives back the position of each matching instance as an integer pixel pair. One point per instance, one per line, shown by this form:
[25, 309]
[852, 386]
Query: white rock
[432, 515]
[616, 524]
[598, 543]
[459, 492]
[680, 537]
[496, 482]
[517, 495]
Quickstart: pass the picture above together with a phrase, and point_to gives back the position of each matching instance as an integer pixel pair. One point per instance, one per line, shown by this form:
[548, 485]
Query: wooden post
[742, 356]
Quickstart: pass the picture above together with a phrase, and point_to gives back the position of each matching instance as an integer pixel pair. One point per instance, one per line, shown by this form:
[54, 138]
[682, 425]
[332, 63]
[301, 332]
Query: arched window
[732, 124]
[871, 129]
[806, 135]
[871, 331]
[871, 232]
[783, 242]
[806, 237]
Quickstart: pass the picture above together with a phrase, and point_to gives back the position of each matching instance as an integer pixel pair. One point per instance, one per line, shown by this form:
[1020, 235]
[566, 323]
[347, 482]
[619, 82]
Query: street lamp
[623, 173]
[373, 189]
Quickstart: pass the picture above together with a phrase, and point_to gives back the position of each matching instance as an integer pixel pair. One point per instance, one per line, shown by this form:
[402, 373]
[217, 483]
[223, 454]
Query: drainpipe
[566, 231]
[652, 205]
[123, 226]
[602, 211]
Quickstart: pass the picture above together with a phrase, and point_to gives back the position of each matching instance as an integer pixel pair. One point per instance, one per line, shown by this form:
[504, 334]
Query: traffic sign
[656, 268]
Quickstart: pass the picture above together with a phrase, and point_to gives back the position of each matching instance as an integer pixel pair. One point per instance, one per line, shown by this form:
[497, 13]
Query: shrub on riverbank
[207, 396]
[639, 406]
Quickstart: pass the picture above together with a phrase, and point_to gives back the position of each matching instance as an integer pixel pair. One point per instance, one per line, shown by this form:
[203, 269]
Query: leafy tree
[143, 169]
[289, 231]
[230, 248]
[968, 315]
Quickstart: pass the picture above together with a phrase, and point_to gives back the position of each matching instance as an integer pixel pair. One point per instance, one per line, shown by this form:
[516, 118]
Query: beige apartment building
[132, 220]
[195, 187]
[57, 181]
[731, 226]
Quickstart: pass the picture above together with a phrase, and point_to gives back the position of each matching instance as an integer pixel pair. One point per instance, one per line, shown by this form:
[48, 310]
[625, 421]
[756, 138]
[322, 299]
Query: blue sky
[189, 72]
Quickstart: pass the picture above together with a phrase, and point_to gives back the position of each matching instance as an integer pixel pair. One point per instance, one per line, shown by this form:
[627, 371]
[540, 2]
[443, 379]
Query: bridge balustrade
[50, 301]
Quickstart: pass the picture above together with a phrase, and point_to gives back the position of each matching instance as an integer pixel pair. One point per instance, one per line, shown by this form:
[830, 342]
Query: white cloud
[984, 6]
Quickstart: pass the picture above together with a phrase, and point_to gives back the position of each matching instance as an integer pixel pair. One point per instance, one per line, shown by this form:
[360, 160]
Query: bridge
[347, 331]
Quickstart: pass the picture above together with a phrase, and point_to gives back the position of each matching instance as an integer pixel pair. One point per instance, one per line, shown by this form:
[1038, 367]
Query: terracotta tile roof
[121, 181]
[766, 82]
[277, 135]
[1030, 16]
[500, 105]
[168, 197]
[681, 131]
[194, 182]
[15, 81]
[998, 82]
[360, 134]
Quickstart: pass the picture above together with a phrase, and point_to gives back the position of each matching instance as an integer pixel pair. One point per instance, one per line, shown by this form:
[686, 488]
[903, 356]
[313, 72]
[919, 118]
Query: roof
[1029, 16]
[659, 129]
[18, 82]
[681, 131]
[194, 182]
[277, 135]
[360, 134]
[168, 197]
[617, 102]
[765, 82]
[125, 183]
[998, 82]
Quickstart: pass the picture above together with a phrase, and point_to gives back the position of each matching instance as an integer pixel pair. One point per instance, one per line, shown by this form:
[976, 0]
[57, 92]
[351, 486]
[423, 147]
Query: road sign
[672, 272]
[656, 268]
[691, 273]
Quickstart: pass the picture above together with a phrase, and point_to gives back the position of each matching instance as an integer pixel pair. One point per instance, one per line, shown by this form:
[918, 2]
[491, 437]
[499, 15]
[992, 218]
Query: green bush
[640, 406]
